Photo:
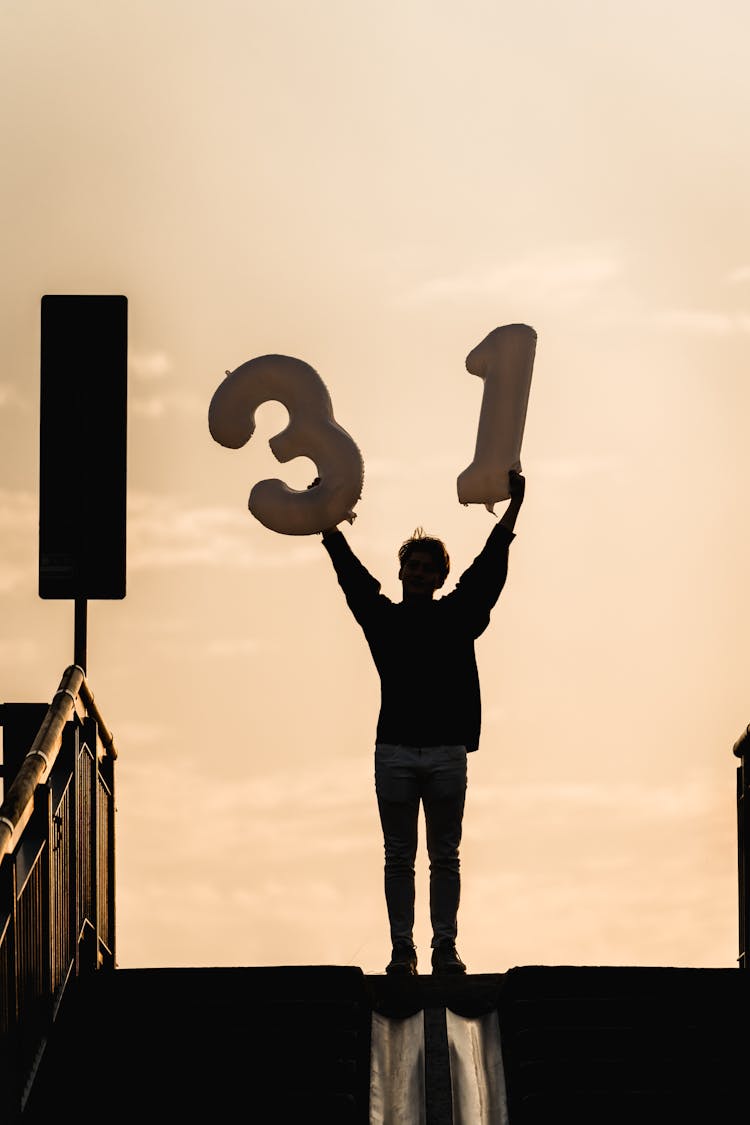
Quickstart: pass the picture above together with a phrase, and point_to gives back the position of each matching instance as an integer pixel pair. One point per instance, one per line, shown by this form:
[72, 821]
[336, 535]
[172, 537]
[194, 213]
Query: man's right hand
[326, 530]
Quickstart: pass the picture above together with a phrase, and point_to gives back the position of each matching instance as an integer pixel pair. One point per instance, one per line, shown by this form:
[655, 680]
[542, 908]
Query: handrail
[20, 796]
[57, 874]
[741, 750]
[105, 734]
[742, 745]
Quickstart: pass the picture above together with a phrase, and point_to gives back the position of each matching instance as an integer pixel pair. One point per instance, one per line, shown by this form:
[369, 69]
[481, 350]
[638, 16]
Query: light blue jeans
[436, 776]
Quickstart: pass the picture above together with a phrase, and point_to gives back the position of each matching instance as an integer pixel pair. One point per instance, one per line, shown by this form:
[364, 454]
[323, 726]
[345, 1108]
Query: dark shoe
[403, 961]
[445, 959]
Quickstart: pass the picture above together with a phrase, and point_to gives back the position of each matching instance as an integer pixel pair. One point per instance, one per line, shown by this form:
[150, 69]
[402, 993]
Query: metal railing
[57, 879]
[741, 750]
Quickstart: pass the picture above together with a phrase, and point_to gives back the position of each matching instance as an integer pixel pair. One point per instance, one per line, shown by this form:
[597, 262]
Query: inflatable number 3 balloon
[312, 432]
[504, 360]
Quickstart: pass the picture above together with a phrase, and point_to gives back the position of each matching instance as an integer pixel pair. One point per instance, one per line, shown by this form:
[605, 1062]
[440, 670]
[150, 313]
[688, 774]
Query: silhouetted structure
[57, 870]
[741, 750]
[82, 1039]
[83, 452]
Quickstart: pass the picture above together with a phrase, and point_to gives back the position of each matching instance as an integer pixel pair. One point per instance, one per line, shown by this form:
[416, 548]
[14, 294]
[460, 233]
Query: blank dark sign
[83, 446]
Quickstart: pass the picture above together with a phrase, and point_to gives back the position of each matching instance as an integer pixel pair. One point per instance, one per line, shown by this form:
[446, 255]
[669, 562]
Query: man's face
[419, 574]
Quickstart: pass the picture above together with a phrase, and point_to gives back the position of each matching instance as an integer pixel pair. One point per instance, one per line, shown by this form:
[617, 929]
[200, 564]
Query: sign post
[83, 452]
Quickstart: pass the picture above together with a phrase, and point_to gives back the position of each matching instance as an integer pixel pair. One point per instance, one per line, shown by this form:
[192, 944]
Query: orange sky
[372, 188]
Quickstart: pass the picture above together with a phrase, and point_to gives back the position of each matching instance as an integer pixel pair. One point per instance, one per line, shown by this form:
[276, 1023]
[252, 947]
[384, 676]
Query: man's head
[424, 565]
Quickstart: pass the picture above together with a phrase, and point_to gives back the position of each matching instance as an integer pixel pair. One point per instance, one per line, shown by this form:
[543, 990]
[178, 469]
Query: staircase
[286, 1044]
[605, 1046]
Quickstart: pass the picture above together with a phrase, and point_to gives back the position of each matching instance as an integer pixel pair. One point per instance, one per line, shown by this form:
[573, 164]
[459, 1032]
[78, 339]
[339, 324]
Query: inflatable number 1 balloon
[312, 432]
[504, 360]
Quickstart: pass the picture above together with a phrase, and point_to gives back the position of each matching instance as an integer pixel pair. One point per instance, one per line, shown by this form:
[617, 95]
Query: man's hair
[418, 541]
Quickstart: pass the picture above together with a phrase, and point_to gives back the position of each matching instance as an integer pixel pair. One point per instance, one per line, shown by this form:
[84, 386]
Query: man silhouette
[430, 714]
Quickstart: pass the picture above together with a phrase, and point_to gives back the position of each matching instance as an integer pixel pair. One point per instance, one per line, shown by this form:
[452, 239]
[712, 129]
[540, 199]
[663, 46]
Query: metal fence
[57, 878]
[741, 750]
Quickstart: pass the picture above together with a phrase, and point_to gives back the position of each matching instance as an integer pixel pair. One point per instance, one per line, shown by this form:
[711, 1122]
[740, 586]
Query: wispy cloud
[18, 509]
[399, 469]
[12, 577]
[154, 393]
[571, 275]
[18, 524]
[629, 801]
[261, 825]
[284, 803]
[163, 534]
[9, 396]
[565, 273]
[703, 322]
[17, 652]
[230, 647]
[141, 735]
[575, 468]
[178, 400]
[149, 366]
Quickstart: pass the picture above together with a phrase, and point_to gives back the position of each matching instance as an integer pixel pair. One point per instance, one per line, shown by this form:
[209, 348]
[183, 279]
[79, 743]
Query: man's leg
[444, 797]
[398, 805]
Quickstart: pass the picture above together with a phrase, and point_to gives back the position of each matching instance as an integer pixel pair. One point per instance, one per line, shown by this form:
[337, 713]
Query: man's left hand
[517, 484]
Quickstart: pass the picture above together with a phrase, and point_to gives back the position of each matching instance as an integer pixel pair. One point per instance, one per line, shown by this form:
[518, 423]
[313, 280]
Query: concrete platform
[537, 1045]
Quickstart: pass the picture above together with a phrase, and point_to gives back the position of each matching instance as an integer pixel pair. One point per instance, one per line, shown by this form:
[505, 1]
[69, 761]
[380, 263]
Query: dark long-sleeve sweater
[424, 649]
